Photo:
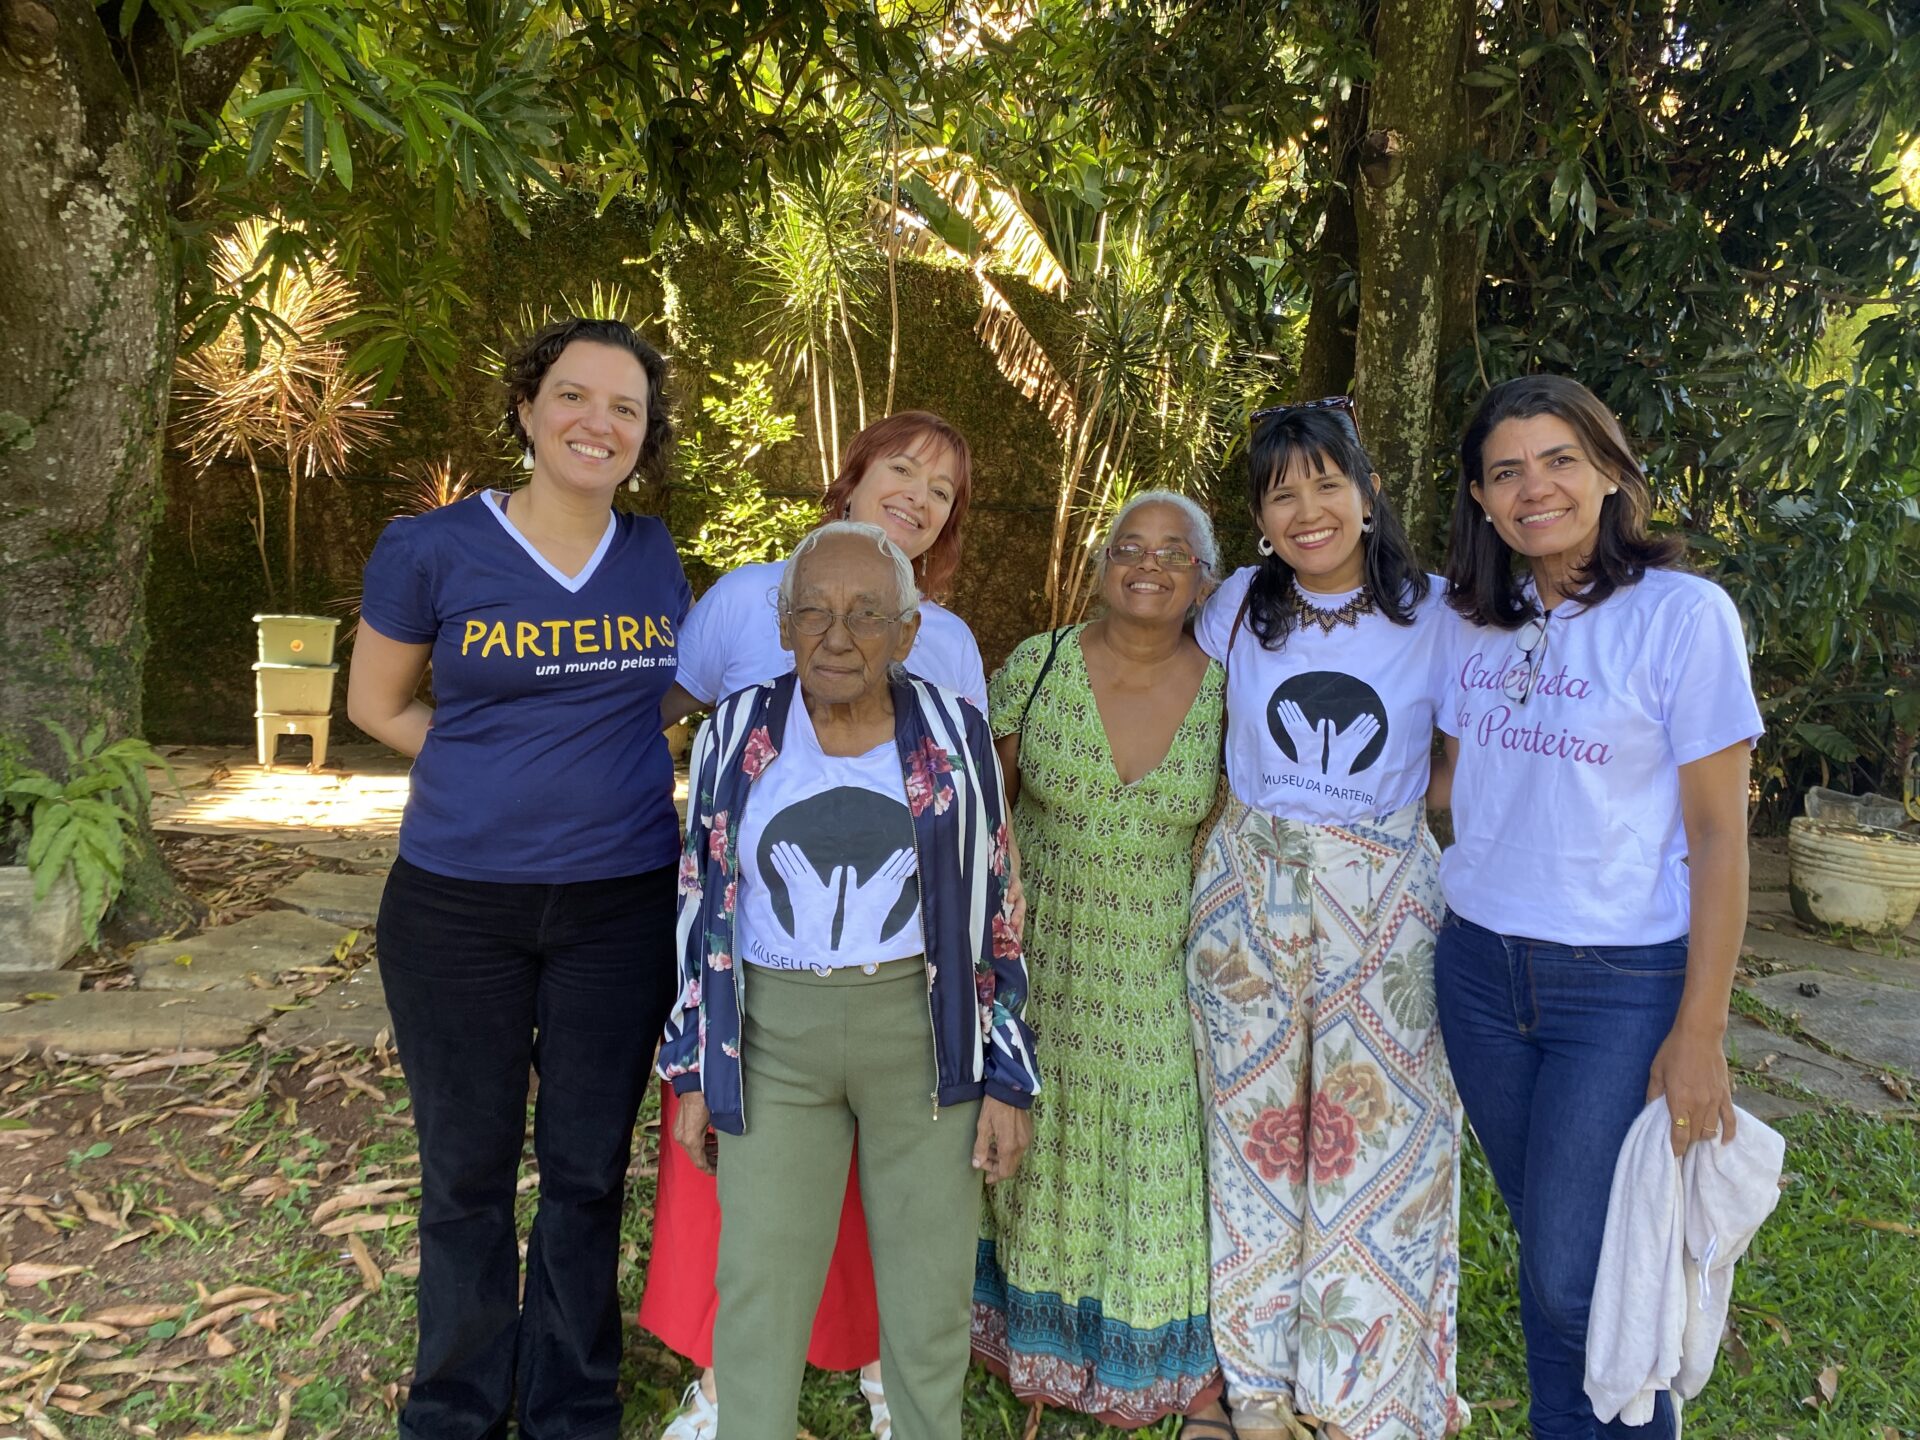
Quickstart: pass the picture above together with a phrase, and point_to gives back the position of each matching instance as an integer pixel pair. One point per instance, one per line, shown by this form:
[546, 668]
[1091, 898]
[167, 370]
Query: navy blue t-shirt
[545, 762]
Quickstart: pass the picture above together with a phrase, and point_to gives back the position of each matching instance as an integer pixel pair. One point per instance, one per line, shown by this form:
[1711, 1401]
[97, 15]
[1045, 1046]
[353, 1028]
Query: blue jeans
[1550, 1046]
[483, 981]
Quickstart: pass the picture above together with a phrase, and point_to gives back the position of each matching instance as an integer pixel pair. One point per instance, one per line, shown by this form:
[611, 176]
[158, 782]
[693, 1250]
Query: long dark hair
[527, 366]
[1326, 440]
[1483, 577]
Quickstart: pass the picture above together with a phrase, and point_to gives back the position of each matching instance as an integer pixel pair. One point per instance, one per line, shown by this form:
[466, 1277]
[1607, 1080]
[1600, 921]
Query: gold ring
[1680, 1121]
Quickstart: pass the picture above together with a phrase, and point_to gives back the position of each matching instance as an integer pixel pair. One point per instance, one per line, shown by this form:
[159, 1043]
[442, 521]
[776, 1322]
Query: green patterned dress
[1091, 1287]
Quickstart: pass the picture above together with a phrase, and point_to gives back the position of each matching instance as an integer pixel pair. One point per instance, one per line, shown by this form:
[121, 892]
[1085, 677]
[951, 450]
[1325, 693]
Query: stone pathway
[1836, 1025]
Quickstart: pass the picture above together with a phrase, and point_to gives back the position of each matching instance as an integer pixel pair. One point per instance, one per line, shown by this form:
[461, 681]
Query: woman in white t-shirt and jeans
[1600, 719]
[910, 474]
[1333, 1132]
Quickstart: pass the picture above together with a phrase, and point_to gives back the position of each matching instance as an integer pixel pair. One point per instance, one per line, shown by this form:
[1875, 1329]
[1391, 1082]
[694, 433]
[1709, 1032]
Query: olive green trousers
[827, 1058]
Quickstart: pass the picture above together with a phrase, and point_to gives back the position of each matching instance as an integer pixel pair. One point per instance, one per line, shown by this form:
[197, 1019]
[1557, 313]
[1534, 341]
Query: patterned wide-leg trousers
[1333, 1130]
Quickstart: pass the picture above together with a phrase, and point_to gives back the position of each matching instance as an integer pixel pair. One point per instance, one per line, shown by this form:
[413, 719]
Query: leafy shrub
[78, 826]
[743, 524]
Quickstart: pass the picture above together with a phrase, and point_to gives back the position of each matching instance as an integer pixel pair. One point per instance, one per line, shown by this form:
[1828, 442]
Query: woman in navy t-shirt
[529, 916]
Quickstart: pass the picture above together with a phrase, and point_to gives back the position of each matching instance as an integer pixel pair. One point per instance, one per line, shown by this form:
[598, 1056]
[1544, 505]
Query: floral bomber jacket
[975, 973]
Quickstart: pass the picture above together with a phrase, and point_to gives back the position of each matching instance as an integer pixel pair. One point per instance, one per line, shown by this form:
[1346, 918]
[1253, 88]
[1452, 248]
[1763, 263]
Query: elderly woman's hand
[690, 1125]
[1001, 1139]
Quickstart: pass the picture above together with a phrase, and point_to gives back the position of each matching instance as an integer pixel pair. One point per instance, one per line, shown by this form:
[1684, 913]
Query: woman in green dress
[1091, 1288]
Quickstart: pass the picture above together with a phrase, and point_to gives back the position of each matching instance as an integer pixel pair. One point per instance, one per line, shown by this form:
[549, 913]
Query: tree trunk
[1326, 355]
[1417, 117]
[87, 335]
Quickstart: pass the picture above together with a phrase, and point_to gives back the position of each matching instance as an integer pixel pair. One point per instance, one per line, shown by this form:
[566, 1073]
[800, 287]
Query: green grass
[1817, 1289]
[1821, 1289]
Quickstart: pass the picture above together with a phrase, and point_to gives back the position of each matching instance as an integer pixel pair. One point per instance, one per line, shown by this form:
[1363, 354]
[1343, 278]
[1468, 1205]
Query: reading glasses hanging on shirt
[1524, 674]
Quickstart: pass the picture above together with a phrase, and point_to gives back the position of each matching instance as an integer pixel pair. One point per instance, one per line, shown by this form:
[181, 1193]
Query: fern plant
[79, 825]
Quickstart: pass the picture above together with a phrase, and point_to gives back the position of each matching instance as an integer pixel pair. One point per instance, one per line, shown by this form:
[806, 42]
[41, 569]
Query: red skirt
[679, 1302]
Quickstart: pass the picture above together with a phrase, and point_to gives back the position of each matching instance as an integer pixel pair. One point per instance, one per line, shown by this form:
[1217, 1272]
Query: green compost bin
[296, 639]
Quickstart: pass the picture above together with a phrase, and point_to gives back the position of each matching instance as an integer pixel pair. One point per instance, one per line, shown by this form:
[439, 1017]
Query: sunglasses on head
[1339, 404]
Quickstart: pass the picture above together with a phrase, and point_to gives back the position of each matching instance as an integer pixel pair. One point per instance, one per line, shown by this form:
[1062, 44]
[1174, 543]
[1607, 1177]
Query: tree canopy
[1697, 206]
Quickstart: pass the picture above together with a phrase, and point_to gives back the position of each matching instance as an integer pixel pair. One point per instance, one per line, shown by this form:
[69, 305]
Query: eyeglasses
[1523, 676]
[1339, 404]
[1174, 557]
[862, 624]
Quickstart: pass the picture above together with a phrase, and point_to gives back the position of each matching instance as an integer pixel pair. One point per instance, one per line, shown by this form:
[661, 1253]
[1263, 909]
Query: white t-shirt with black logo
[1332, 727]
[1566, 809]
[731, 639]
[827, 868]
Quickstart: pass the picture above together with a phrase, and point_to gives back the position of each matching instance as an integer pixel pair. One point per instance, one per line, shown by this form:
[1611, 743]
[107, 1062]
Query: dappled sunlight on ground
[361, 791]
[218, 790]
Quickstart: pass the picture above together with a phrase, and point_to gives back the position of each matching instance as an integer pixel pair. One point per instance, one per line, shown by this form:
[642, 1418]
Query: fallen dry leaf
[91, 1329]
[363, 1262]
[135, 1317]
[139, 1232]
[241, 1292]
[24, 1273]
[215, 1318]
[1828, 1383]
[350, 1224]
[91, 1206]
[1894, 1226]
[219, 1347]
[336, 1318]
[374, 1192]
[162, 1062]
[134, 1365]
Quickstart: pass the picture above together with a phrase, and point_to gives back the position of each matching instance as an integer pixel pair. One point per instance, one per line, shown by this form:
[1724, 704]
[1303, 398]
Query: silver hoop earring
[1366, 526]
[1265, 547]
[526, 458]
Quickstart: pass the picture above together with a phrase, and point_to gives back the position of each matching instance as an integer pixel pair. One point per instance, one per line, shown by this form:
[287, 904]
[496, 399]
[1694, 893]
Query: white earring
[1486, 517]
[1613, 490]
[1366, 526]
[1265, 547]
[526, 458]
[633, 482]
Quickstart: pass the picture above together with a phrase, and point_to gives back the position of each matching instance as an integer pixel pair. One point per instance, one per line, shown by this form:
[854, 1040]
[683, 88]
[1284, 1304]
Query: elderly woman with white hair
[849, 965]
[1091, 1293]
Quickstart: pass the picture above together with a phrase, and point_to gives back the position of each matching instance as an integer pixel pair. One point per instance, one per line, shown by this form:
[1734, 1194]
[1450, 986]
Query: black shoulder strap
[1234, 634]
[1053, 649]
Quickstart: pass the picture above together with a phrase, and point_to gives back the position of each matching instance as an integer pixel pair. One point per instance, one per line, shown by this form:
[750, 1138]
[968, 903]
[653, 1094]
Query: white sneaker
[877, 1399]
[698, 1418]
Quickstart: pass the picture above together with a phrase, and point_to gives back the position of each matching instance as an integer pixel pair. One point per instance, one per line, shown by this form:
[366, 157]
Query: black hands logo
[838, 867]
[1328, 723]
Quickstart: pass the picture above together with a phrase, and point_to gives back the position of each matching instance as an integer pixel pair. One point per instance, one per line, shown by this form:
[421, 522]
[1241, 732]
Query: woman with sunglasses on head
[1332, 1126]
[1600, 719]
[1091, 1293]
[911, 475]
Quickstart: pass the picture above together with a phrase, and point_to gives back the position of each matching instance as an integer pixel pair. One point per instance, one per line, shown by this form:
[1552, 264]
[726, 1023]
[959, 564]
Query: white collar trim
[572, 584]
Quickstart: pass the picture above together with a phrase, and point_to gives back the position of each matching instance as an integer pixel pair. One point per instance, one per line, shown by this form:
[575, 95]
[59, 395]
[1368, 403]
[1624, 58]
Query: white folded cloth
[1675, 1227]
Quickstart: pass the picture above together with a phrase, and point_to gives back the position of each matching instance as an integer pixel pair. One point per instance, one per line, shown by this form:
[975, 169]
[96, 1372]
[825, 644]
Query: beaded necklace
[1307, 613]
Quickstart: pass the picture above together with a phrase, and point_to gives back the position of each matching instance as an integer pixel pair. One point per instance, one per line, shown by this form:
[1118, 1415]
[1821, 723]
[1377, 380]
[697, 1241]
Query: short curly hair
[529, 362]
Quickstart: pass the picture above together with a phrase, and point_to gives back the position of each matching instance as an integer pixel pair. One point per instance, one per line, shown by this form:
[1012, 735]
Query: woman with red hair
[911, 475]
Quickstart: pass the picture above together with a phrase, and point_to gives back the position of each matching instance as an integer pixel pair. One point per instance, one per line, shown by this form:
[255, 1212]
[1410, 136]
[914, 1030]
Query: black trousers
[484, 981]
